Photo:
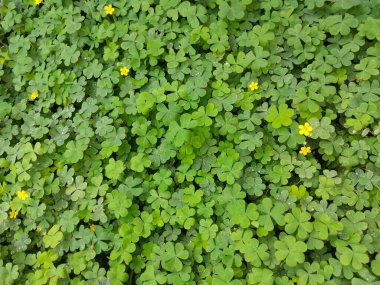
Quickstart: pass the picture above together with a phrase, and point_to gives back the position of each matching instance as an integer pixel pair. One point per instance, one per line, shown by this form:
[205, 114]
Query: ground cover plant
[190, 142]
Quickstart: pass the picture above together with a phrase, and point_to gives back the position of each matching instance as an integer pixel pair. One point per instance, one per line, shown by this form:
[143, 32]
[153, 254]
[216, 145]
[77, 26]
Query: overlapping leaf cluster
[178, 173]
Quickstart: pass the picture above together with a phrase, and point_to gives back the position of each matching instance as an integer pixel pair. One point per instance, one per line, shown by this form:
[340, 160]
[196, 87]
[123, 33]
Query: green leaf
[325, 226]
[354, 255]
[68, 221]
[298, 221]
[5, 109]
[154, 47]
[117, 274]
[232, 11]
[174, 253]
[298, 191]
[310, 274]
[280, 174]
[152, 277]
[336, 24]
[97, 188]
[345, 4]
[368, 67]
[203, 115]
[270, 213]
[53, 237]
[242, 215]
[77, 189]
[370, 28]
[111, 52]
[139, 162]
[114, 169]
[290, 250]
[69, 54]
[77, 262]
[375, 265]
[118, 203]
[280, 117]
[321, 129]
[261, 276]
[74, 150]
[193, 13]
[223, 276]
[93, 70]
[8, 273]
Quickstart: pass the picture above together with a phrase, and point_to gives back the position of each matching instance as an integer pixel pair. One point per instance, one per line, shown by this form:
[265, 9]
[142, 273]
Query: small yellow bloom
[109, 9]
[34, 95]
[305, 150]
[305, 129]
[22, 195]
[38, 228]
[13, 214]
[92, 227]
[124, 71]
[37, 2]
[253, 86]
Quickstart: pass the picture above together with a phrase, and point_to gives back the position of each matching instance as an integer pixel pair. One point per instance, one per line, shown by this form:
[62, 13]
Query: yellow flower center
[37, 2]
[305, 150]
[305, 129]
[22, 195]
[253, 86]
[34, 95]
[13, 214]
[124, 71]
[92, 227]
[109, 9]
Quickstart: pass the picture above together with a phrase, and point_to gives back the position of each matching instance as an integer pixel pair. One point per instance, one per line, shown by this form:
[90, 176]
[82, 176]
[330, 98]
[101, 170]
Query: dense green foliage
[135, 149]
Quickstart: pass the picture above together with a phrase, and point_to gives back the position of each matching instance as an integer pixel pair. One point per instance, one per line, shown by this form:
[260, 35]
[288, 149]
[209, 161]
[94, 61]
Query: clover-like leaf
[53, 237]
[375, 265]
[118, 203]
[298, 221]
[173, 255]
[270, 212]
[369, 28]
[242, 214]
[77, 189]
[139, 162]
[321, 129]
[262, 276]
[290, 250]
[114, 169]
[354, 255]
[75, 149]
[280, 117]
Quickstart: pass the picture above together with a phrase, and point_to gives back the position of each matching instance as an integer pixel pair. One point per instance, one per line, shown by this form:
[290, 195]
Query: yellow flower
[305, 129]
[22, 195]
[38, 228]
[34, 95]
[253, 86]
[109, 9]
[13, 214]
[92, 227]
[124, 71]
[37, 2]
[305, 150]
